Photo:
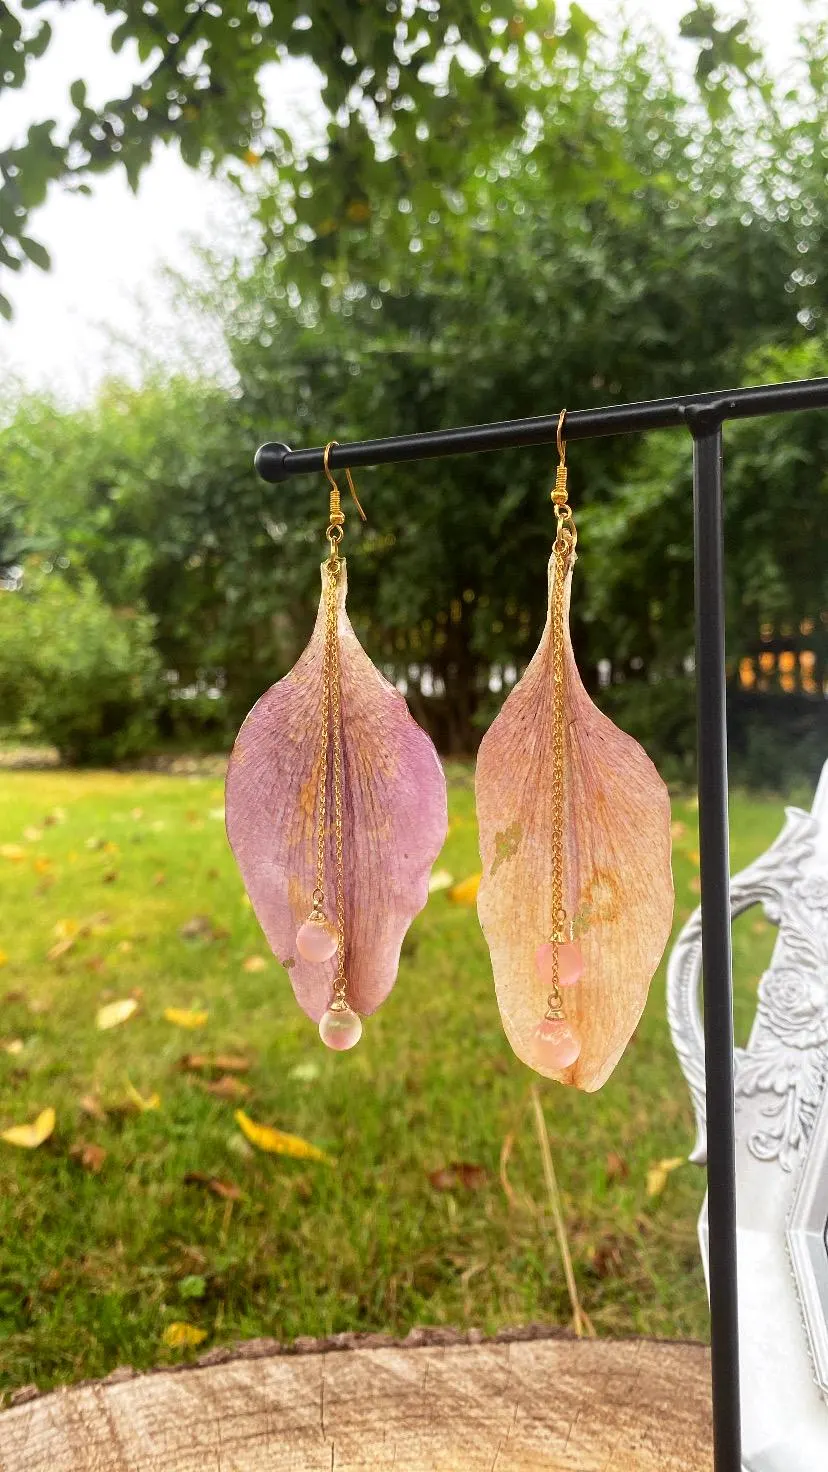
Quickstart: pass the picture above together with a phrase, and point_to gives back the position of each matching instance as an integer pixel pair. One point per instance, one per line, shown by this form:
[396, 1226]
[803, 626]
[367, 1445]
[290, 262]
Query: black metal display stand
[703, 415]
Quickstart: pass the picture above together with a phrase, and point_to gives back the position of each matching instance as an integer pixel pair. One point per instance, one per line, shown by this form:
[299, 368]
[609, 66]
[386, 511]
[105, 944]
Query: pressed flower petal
[394, 818]
[618, 886]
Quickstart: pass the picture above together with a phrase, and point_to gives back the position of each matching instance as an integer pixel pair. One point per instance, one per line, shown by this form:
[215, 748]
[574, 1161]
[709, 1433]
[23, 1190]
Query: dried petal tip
[315, 940]
[340, 1028]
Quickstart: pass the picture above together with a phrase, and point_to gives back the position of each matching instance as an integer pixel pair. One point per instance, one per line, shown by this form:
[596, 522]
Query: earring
[336, 811]
[576, 899]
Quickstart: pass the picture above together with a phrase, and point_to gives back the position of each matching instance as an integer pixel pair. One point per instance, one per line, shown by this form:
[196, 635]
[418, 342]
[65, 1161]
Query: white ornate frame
[781, 1144]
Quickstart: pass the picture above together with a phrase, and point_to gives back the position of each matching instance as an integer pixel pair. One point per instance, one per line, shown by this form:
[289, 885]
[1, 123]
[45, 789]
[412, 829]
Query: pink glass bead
[557, 1044]
[340, 1029]
[570, 962]
[315, 941]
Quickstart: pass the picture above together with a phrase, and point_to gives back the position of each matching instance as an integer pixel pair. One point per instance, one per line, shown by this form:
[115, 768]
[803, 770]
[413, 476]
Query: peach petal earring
[576, 898]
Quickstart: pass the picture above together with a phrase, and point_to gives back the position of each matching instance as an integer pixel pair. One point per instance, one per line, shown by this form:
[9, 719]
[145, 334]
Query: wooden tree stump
[519, 1405]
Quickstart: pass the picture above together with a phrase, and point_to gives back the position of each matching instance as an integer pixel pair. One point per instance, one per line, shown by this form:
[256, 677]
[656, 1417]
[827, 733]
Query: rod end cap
[270, 462]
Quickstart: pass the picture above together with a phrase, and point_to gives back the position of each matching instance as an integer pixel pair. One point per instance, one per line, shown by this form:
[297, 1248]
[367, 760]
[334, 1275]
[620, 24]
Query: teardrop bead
[316, 941]
[570, 962]
[340, 1028]
[557, 1044]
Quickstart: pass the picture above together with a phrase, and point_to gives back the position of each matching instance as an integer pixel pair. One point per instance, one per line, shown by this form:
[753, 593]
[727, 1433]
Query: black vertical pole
[706, 428]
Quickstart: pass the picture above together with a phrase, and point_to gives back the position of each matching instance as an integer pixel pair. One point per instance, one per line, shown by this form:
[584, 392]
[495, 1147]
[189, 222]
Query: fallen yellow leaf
[465, 893]
[658, 1173]
[152, 1101]
[115, 1012]
[277, 1143]
[32, 835]
[13, 852]
[183, 1336]
[440, 879]
[29, 1136]
[182, 1018]
[66, 928]
[3, 958]
[42, 866]
[14, 1047]
[255, 963]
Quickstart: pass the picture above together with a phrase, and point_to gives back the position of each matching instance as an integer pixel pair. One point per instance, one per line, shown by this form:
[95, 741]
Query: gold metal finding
[336, 516]
[559, 494]
[563, 554]
[332, 728]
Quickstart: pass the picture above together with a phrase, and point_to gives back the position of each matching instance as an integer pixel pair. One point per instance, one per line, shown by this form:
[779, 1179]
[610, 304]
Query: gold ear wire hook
[566, 533]
[337, 515]
[559, 493]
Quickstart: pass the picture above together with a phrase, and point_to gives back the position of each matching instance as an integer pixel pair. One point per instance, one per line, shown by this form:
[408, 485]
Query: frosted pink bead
[557, 1044]
[315, 941]
[570, 962]
[340, 1029]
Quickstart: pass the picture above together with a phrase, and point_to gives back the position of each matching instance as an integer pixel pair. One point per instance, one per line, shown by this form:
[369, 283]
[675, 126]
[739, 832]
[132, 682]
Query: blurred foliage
[424, 86]
[775, 504]
[83, 674]
[616, 241]
[415, 95]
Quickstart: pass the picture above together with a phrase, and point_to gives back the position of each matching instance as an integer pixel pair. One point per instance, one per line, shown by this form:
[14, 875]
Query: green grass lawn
[94, 1266]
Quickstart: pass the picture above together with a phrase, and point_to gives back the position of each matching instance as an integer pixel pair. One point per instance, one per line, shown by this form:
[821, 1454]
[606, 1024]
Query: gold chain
[332, 738]
[563, 553]
[331, 717]
[336, 713]
[322, 786]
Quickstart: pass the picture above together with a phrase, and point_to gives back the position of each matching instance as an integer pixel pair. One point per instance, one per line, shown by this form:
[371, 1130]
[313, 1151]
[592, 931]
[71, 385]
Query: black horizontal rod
[276, 462]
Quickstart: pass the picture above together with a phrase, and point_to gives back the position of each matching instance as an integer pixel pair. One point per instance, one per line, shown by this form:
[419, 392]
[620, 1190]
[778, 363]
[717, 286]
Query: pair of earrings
[336, 812]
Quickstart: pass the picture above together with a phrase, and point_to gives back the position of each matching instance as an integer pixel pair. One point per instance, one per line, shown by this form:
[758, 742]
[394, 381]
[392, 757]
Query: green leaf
[698, 24]
[77, 92]
[38, 43]
[193, 1286]
[5, 308]
[37, 253]
[12, 263]
[576, 38]
[581, 22]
